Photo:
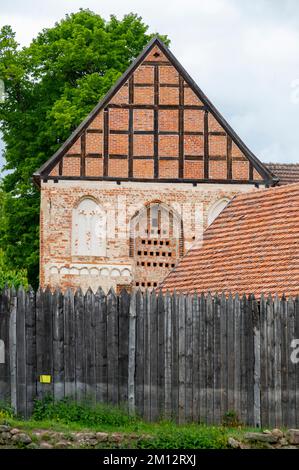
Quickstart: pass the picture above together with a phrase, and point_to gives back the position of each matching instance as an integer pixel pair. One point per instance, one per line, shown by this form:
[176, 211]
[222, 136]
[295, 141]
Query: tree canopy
[50, 86]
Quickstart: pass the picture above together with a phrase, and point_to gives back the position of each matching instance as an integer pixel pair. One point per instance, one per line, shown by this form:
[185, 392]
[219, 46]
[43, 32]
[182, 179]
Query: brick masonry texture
[57, 206]
[143, 120]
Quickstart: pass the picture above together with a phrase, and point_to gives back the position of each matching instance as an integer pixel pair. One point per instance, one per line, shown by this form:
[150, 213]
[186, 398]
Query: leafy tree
[51, 85]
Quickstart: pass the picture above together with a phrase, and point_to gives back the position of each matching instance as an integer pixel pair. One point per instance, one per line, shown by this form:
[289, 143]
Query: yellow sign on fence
[45, 379]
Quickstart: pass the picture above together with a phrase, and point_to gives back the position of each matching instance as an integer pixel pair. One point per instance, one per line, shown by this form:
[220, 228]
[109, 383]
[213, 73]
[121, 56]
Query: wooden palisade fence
[190, 358]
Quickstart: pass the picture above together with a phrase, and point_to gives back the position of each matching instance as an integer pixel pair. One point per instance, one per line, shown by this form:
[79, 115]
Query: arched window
[89, 229]
[215, 210]
[156, 243]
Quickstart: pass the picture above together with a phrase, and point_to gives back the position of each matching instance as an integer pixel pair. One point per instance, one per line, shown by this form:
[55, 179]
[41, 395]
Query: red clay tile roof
[286, 172]
[251, 247]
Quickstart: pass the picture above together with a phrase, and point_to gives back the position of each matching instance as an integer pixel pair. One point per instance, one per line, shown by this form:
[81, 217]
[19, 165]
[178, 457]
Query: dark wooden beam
[156, 122]
[83, 154]
[194, 157]
[60, 167]
[169, 85]
[217, 133]
[154, 180]
[193, 133]
[154, 106]
[71, 155]
[143, 157]
[250, 171]
[206, 145]
[181, 127]
[106, 142]
[118, 157]
[157, 63]
[94, 131]
[229, 158]
[218, 158]
[143, 85]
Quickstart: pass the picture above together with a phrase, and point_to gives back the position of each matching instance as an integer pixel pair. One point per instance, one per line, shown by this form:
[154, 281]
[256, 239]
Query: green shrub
[231, 419]
[68, 411]
[6, 412]
[191, 437]
[11, 277]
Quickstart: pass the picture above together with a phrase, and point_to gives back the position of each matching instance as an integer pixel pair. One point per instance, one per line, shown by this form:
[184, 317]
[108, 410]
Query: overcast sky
[243, 54]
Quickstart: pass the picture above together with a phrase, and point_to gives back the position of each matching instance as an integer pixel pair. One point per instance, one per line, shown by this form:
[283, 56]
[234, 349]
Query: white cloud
[244, 56]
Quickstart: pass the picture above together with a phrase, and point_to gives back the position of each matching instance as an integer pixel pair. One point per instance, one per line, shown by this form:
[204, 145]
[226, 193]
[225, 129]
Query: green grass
[68, 416]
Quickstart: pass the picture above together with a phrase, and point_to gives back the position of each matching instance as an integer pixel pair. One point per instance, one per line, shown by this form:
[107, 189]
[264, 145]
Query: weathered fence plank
[69, 344]
[277, 361]
[154, 356]
[182, 358]
[203, 361]
[291, 420]
[58, 345]
[224, 356]
[230, 353]
[140, 352]
[123, 345]
[271, 358]
[243, 360]
[112, 347]
[30, 327]
[101, 346]
[195, 358]
[256, 365]
[147, 356]
[209, 359]
[264, 361]
[217, 361]
[161, 364]
[250, 360]
[10, 299]
[132, 355]
[175, 356]
[237, 347]
[80, 369]
[44, 342]
[21, 353]
[90, 350]
[284, 362]
[6, 347]
[190, 358]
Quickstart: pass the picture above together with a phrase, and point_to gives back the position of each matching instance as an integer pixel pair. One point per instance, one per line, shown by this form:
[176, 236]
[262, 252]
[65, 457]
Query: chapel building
[131, 190]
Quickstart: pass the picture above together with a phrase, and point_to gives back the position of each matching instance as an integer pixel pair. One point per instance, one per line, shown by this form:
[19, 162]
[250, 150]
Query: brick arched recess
[156, 243]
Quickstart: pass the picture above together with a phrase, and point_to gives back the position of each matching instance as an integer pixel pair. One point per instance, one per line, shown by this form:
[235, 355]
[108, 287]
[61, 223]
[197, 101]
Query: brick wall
[58, 266]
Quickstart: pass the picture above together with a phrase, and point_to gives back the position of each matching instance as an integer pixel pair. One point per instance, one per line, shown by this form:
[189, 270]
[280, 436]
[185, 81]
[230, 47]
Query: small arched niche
[156, 243]
[216, 209]
[89, 229]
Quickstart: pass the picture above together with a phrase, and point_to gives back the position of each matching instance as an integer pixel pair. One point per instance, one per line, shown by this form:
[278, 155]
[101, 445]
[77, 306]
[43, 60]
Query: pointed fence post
[101, 345]
[132, 354]
[257, 362]
[58, 345]
[112, 347]
[13, 346]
